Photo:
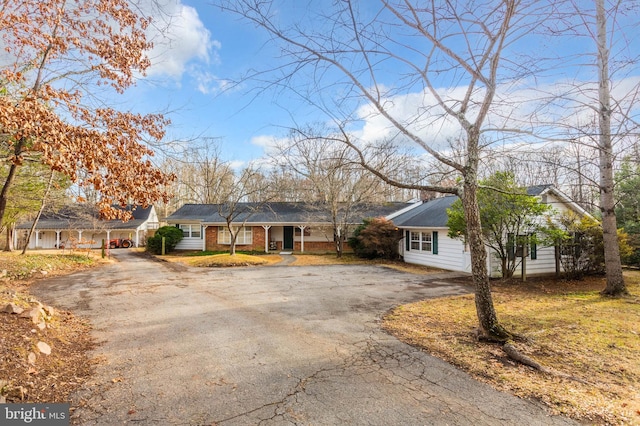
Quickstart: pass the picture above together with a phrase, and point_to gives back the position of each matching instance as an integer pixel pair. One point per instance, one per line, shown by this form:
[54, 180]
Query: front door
[288, 238]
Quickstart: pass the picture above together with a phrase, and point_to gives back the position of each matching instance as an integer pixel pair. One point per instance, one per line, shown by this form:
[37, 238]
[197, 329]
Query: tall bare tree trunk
[487, 317]
[4, 192]
[42, 206]
[10, 228]
[615, 281]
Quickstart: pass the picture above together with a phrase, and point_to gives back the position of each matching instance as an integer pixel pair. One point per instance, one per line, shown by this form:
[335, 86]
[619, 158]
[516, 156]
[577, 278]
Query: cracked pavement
[274, 345]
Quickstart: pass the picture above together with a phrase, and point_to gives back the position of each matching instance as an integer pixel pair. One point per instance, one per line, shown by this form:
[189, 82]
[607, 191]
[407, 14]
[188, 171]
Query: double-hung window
[244, 235]
[423, 241]
[191, 231]
[415, 240]
[426, 241]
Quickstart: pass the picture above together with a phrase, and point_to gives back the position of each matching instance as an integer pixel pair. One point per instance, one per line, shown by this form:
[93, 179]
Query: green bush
[376, 238]
[172, 237]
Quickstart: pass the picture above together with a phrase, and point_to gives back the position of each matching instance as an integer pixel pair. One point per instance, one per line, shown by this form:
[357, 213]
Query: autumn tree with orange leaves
[57, 55]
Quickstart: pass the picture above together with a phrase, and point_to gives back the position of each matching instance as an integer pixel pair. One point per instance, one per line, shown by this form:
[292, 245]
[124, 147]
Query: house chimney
[428, 195]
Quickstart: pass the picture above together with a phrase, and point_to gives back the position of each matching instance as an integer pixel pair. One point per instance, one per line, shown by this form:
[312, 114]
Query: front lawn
[591, 343]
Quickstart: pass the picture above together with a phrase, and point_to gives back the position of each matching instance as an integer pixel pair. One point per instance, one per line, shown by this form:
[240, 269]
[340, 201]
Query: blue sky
[203, 48]
[188, 81]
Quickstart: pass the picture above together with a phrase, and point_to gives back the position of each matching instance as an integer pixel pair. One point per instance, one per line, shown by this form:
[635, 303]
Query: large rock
[12, 308]
[44, 348]
[36, 314]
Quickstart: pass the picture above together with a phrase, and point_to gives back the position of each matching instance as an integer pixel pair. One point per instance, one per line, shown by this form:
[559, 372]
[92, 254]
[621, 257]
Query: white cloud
[179, 38]
[267, 142]
[527, 107]
[208, 83]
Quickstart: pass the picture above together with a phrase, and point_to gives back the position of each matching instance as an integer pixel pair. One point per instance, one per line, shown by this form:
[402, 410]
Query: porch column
[204, 237]
[79, 236]
[266, 237]
[58, 238]
[137, 238]
[37, 239]
[106, 243]
[302, 237]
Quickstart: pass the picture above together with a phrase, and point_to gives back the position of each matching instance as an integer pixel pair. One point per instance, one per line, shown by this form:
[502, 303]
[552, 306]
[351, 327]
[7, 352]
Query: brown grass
[568, 328]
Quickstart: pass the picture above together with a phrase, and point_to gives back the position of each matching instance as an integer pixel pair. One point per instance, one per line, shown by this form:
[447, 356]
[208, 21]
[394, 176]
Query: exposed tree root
[514, 354]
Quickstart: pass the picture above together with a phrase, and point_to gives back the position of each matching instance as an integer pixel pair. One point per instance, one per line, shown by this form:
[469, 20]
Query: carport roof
[276, 212]
[87, 218]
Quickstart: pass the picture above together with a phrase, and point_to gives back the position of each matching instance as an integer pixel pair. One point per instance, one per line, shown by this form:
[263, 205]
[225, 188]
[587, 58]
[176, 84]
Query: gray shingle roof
[86, 218]
[430, 214]
[276, 212]
[538, 189]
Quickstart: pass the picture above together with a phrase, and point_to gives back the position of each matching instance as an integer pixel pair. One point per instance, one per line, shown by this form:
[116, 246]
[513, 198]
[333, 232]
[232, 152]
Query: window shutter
[201, 232]
[407, 240]
[434, 242]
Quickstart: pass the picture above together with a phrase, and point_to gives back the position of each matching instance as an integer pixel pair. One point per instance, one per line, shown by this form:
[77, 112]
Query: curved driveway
[266, 345]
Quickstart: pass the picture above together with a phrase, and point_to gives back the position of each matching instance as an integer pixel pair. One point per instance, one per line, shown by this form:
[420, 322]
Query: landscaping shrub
[376, 238]
[172, 237]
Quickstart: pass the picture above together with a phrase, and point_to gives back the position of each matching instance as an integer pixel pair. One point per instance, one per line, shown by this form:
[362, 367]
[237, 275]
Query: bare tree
[419, 68]
[602, 112]
[235, 208]
[202, 176]
[613, 265]
[339, 186]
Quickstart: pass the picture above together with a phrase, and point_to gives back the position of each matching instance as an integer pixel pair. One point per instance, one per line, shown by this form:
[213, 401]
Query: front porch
[272, 238]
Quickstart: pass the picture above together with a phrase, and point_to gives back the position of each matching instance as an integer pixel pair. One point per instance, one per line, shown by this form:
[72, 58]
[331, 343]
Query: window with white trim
[426, 241]
[244, 236]
[415, 240]
[191, 231]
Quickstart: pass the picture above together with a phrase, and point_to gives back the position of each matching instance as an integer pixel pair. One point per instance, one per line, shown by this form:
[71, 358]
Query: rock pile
[41, 316]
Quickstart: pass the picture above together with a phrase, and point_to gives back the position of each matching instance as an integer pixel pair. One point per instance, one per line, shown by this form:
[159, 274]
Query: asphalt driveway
[266, 345]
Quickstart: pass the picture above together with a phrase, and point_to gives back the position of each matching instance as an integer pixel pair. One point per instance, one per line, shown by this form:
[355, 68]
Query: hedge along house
[426, 241]
[84, 227]
[269, 227]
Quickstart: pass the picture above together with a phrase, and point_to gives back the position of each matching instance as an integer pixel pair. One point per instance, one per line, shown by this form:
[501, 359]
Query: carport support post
[301, 237]
[266, 237]
[164, 241]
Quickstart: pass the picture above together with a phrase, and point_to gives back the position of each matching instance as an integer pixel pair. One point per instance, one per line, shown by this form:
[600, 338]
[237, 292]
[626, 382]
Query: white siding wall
[450, 255]
[544, 264]
[190, 244]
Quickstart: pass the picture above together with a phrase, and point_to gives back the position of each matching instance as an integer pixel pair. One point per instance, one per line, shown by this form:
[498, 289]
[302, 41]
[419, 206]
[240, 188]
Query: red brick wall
[212, 240]
[259, 236]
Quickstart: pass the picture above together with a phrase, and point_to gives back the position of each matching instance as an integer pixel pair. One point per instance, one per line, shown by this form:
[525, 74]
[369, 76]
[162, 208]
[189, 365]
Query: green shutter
[434, 242]
[407, 240]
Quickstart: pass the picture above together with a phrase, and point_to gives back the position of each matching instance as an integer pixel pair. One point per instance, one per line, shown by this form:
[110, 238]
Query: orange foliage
[59, 52]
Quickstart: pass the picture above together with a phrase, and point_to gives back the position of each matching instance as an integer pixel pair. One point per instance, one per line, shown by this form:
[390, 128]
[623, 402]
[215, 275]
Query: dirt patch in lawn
[590, 342]
[44, 357]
